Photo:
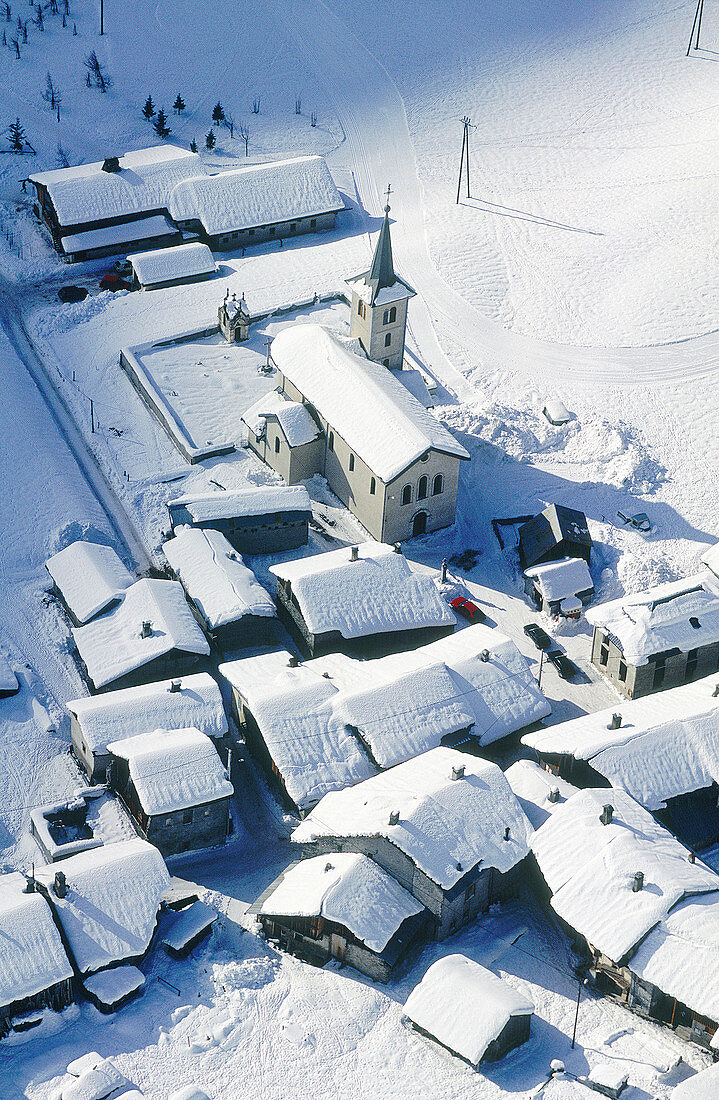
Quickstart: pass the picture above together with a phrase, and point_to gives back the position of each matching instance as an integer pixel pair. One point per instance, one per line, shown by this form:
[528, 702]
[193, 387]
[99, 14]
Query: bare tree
[51, 95]
[256, 105]
[39, 19]
[98, 77]
[16, 46]
[245, 135]
[61, 158]
[7, 12]
[313, 118]
[298, 106]
[229, 122]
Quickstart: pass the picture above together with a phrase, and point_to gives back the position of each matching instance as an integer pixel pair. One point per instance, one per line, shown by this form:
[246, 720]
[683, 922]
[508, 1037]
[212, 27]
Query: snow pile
[464, 1006]
[113, 645]
[237, 503]
[681, 615]
[260, 195]
[88, 576]
[173, 770]
[215, 578]
[347, 889]
[185, 261]
[374, 594]
[113, 895]
[293, 417]
[361, 400]
[445, 825]
[95, 1083]
[538, 791]
[558, 580]
[32, 957]
[170, 704]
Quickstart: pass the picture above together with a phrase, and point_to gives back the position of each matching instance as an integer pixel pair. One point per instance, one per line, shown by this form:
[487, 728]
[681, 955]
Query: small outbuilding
[234, 318]
[165, 267]
[472, 1012]
[557, 532]
[255, 520]
[89, 578]
[342, 907]
[9, 683]
[92, 818]
[560, 588]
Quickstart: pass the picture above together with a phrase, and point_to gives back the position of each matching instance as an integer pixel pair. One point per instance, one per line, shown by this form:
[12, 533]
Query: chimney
[398, 548]
[326, 675]
[615, 722]
[354, 553]
[146, 631]
[484, 655]
[457, 771]
[443, 572]
[111, 164]
[30, 883]
[638, 882]
[60, 884]
[175, 686]
[606, 815]
[394, 817]
[715, 693]
[692, 857]
[459, 866]
[293, 661]
[507, 832]
[328, 867]
[553, 795]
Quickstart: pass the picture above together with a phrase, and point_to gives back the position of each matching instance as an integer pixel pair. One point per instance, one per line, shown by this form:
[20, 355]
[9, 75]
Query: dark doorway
[419, 524]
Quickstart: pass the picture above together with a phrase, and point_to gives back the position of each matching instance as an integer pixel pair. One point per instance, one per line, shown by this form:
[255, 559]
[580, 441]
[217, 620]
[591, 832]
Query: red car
[467, 609]
[112, 281]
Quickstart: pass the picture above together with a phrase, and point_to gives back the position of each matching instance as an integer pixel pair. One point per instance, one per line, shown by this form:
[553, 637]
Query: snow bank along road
[379, 149]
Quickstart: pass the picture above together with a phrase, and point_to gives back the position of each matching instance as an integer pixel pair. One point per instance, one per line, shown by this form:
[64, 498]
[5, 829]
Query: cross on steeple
[387, 194]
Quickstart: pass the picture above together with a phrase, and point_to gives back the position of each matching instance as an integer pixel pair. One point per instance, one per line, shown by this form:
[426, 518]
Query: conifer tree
[179, 104]
[149, 109]
[210, 139]
[218, 114]
[160, 124]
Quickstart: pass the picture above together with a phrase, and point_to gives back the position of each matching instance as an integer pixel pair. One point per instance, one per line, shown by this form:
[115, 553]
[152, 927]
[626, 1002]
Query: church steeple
[379, 303]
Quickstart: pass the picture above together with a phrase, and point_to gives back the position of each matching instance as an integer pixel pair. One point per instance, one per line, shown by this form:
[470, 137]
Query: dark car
[467, 609]
[540, 637]
[72, 293]
[113, 281]
[123, 268]
[566, 668]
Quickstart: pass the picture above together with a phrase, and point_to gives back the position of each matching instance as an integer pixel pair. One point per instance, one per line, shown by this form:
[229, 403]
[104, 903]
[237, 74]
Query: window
[422, 487]
[470, 891]
[425, 456]
[372, 486]
[352, 463]
[331, 441]
[277, 445]
[622, 670]
[293, 226]
[389, 316]
[388, 340]
[692, 657]
[251, 233]
[385, 362]
[604, 655]
[437, 485]
[407, 494]
[272, 230]
[659, 670]
[313, 223]
[361, 308]
[187, 817]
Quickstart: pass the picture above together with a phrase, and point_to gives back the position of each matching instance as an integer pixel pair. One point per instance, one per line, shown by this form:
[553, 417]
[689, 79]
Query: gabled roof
[295, 420]
[361, 400]
[445, 825]
[539, 792]
[558, 579]
[32, 957]
[184, 261]
[347, 889]
[252, 501]
[113, 646]
[380, 284]
[555, 524]
[88, 576]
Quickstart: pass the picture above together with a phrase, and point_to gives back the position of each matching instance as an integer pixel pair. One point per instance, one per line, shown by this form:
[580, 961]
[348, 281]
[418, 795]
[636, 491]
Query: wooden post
[699, 23]
[466, 122]
[700, 5]
[576, 1014]
[102, 16]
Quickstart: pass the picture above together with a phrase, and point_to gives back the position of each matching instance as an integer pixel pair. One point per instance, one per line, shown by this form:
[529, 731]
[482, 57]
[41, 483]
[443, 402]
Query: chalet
[193, 701]
[106, 902]
[476, 1015]
[332, 721]
[363, 600]
[150, 633]
[35, 972]
[560, 588]
[444, 825]
[663, 750]
[346, 908]
[263, 202]
[234, 608]
[166, 267]
[254, 520]
[115, 205]
[92, 818]
[660, 638]
[88, 578]
[557, 532]
[644, 909]
[175, 788]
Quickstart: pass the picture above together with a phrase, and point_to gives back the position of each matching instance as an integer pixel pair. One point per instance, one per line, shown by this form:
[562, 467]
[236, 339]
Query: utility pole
[576, 1014]
[541, 666]
[92, 417]
[464, 157]
[268, 345]
[696, 26]
[102, 16]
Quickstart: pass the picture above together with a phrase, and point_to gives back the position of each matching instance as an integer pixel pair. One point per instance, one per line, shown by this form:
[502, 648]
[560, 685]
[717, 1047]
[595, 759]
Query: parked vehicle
[72, 293]
[540, 637]
[467, 609]
[112, 281]
[566, 668]
[123, 268]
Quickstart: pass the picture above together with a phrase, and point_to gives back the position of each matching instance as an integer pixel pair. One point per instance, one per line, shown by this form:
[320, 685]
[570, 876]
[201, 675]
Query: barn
[255, 520]
[165, 267]
[557, 532]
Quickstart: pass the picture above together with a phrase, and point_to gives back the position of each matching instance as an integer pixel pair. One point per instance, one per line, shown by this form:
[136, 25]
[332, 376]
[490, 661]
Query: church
[341, 409]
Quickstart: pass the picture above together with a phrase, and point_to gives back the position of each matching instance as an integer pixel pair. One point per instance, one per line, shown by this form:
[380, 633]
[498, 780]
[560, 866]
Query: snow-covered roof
[539, 792]
[215, 578]
[296, 421]
[113, 646]
[464, 1006]
[251, 501]
[115, 715]
[361, 400]
[702, 1086]
[111, 986]
[113, 895]
[8, 680]
[590, 869]
[184, 261]
[374, 594]
[89, 577]
[710, 558]
[32, 957]
[414, 381]
[173, 769]
[144, 229]
[446, 826]
[262, 194]
[667, 744]
[348, 889]
[84, 193]
[680, 616]
[558, 579]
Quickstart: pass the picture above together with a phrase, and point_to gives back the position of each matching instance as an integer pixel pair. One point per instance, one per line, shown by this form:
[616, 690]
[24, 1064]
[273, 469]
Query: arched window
[437, 485]
[407, 494]
[277, 445]
[372, 486]
[331, 441]
[388, 339]
[389, 316]
[422, 487]
[352, 462]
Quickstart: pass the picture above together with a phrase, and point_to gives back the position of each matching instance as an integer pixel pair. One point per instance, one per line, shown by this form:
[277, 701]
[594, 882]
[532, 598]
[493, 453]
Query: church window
[389, 316]
[331, 441]
[437, 485]
[361, 308]
[352, 462]
[422, 487]
[372, 487]
[388, 339]
[407, 494]
[277, 445]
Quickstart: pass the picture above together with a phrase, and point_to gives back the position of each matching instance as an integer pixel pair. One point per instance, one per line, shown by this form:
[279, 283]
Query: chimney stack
[60, 884]
[638, 882]
[615, 722]
[293, 661]
[715, 693]
[553, 794]
[354, 553]
[443, 573]
[507, 832]
[394, 817]
[606, 815]
[692, 857]
[30, 884]
[484, 655]
[175, 685]
[146, 631]
[457, 771]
